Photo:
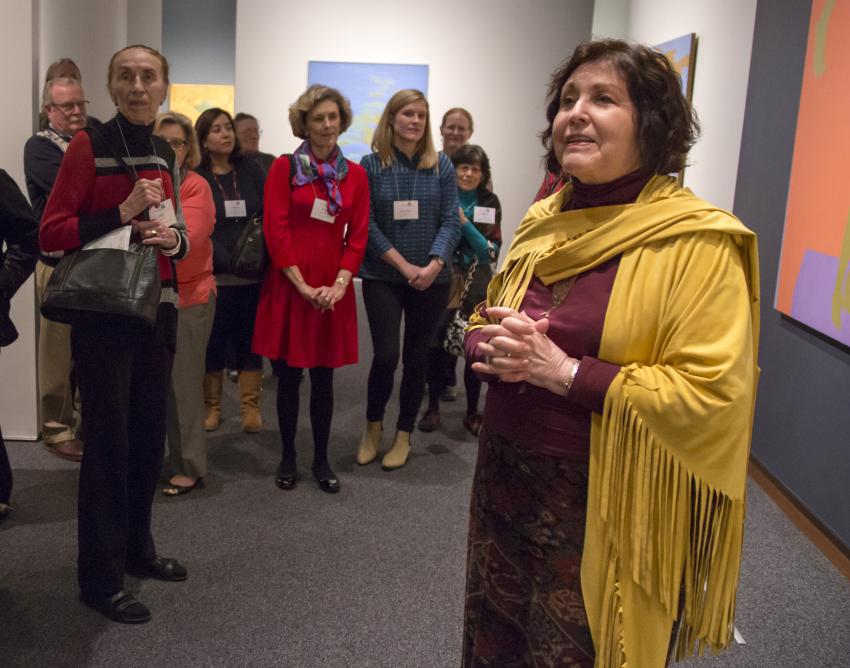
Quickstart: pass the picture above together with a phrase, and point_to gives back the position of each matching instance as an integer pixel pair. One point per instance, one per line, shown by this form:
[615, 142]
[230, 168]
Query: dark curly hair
[473, 154]
[667, 126]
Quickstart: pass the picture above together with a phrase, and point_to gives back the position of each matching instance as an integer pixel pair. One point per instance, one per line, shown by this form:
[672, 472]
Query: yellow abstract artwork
[192, 99]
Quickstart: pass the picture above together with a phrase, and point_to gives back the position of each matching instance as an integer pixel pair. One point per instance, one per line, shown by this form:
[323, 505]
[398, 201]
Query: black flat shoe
[286, 480]
[327, 481]
[160, 568]
[121, 607]
[173, 489]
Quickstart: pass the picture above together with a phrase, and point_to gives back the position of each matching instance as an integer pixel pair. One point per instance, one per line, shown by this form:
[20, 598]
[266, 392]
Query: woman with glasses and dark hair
[413, 232]
[476, 256]
[237, 184]
[620, 342]
[187, 442]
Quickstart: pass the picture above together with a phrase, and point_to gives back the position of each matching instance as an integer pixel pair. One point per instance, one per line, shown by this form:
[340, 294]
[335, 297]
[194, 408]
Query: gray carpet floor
[372, 576]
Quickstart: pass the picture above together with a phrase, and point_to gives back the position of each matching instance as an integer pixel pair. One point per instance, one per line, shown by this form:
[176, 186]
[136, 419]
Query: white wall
[611, 19]
[491, 56]
[18, 394]
[725, 32]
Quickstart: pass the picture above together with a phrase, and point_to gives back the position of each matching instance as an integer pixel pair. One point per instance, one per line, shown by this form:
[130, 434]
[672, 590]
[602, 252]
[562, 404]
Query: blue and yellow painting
[681, 52]
[368, 87]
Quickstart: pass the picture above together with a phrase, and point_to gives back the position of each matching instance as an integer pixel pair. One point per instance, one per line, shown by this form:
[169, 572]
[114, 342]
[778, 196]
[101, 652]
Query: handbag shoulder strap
[95, 133]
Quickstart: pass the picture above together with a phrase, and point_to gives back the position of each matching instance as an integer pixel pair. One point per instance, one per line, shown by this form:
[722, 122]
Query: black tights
[321, 412]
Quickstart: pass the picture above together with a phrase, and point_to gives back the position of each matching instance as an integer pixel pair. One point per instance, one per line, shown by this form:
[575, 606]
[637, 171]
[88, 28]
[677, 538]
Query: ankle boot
[369, 441]
[250, 388]
[213, 381]
[398, 454]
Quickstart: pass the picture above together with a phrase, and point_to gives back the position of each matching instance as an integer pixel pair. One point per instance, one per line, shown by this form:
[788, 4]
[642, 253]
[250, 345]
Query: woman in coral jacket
[316, 225]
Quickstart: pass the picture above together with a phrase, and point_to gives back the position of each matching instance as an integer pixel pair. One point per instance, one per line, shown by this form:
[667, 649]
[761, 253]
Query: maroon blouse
[534, 417]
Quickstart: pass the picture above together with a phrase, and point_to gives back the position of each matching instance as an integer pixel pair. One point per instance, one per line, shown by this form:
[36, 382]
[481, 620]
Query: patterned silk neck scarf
[308, 169]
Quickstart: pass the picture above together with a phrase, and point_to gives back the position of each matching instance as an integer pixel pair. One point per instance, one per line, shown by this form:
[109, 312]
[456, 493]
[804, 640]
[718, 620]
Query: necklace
[560, 290]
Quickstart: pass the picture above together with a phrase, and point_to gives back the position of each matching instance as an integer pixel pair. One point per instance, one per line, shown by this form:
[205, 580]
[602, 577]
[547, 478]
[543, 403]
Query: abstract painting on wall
[813, 286]
[192, 99]
[682, 53]
[368, 86]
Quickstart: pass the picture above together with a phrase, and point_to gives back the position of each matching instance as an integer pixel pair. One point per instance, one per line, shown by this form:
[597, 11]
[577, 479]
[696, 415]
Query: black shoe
[160, 568]
[430, 421]
[327, 480]
[173, 489]
[286, 477]
[121, 607]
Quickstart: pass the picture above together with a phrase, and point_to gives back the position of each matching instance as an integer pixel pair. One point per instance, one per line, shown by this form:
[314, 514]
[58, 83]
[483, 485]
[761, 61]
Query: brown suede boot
[369, 441]
[250, 388]
[213, 381]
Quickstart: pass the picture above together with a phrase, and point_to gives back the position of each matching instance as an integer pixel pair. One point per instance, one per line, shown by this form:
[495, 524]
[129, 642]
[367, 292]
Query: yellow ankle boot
[367, 450]
[398, 454]
[213, 381]
[250, 389]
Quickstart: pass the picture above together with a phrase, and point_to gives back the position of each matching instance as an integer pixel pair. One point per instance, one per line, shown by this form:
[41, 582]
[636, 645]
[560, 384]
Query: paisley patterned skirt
[524, 605]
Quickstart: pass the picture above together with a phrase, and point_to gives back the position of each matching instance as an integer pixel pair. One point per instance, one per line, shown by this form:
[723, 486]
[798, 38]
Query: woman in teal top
[481, 217]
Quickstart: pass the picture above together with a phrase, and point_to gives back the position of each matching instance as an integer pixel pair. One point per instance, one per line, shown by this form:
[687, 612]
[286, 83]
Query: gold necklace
[560, 290]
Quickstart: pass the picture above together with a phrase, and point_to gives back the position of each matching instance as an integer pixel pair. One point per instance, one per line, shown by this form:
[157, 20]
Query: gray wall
[802, 431]
[199, 39]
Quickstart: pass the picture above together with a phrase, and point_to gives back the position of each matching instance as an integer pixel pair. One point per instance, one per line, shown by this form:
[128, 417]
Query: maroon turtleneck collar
[624, 190]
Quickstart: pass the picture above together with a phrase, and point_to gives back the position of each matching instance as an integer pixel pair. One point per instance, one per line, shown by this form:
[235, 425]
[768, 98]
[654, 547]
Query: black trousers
[321, 408]
[385, 303]
[123, 371]
[233, 329]
[5, 473]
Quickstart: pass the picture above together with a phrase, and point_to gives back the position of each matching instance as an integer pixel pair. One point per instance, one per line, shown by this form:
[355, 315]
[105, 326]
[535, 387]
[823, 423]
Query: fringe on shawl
[671, 528]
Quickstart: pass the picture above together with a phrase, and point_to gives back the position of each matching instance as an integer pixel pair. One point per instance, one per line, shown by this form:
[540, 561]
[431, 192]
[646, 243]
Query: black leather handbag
[105, 280]
[250, 259]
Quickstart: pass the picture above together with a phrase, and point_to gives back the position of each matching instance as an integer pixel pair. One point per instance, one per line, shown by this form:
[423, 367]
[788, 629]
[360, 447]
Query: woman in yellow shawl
[619, 341]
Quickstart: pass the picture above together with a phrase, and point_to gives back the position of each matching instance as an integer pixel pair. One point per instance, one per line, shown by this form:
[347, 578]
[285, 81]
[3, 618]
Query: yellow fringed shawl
[668, 456]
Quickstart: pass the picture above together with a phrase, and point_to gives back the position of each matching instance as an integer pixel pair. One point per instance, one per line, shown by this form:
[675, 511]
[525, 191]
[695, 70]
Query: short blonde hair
[193, 155]
[315, 94]
[382, 140]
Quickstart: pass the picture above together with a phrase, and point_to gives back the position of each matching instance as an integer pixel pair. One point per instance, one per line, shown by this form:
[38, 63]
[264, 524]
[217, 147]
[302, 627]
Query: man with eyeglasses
[64, 103]
[247, 130]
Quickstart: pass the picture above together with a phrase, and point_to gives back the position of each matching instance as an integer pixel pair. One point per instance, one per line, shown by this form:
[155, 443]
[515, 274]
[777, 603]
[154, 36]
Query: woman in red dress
[316, 225]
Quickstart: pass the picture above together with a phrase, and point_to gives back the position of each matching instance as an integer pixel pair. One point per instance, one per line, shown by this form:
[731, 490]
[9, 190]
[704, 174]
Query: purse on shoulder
[250, 259]
[105, 280]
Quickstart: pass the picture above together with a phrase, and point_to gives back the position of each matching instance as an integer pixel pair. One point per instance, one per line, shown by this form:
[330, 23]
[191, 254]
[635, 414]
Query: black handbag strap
[94, 132]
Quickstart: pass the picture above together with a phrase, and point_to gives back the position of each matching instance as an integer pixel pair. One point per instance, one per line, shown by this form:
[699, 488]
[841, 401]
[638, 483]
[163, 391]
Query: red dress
[287, 326]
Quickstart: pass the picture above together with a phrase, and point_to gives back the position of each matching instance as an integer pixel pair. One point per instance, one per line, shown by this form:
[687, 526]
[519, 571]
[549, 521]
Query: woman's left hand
[156, 233]
[425, 276]
[328, 295]
[518, 350]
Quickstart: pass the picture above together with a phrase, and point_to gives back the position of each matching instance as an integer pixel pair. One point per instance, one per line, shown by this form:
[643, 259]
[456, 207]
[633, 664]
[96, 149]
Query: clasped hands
[518, 350]
[418, 277]
[324, 297]
[147, 193]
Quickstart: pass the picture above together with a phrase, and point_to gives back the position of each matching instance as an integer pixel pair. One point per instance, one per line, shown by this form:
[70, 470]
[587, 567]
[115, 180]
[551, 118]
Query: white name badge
[405, 209]
[484, 214]
[235, 208]
[163, 211]
[320, 211]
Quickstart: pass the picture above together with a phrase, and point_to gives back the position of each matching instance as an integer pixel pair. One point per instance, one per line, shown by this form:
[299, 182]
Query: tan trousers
[187, 440]
[54, 370]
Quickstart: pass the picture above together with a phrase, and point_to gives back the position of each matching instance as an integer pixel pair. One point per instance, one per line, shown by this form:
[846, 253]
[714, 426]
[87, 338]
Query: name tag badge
[484, 214]
[163, 211]
[320, 211]
[406, 209]
[235, 208]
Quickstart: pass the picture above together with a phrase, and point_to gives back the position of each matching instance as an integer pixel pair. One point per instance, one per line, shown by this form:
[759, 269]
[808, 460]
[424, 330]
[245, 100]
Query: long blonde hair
[382, 140]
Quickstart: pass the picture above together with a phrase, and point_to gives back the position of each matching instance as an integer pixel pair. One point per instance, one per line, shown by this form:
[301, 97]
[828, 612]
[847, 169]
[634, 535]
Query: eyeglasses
[473, 169]
[176, 144]
[68, 107]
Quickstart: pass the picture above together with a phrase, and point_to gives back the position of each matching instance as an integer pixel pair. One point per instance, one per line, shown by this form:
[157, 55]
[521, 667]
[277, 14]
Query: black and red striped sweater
[90, 185]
